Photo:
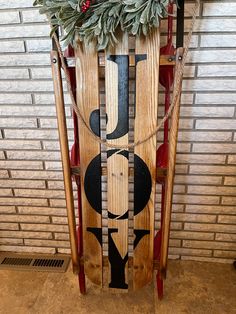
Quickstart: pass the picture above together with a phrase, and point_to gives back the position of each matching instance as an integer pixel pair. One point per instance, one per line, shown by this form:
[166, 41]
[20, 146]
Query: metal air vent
[51, 263]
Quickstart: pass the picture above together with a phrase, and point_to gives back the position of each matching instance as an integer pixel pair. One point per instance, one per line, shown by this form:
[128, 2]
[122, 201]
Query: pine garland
[100, 20]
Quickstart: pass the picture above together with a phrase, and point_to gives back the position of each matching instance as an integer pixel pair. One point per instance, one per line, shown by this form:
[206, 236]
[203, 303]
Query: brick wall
[32, 204]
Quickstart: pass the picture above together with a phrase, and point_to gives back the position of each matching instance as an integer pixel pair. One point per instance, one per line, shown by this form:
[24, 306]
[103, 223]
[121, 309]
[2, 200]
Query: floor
[191, 287]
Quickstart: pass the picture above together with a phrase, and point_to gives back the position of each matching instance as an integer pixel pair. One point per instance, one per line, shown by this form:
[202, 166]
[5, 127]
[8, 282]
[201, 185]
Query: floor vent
[51, 263]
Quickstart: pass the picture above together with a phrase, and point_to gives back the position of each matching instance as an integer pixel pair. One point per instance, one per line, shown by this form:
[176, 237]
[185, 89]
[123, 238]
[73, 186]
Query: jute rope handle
[176, 92]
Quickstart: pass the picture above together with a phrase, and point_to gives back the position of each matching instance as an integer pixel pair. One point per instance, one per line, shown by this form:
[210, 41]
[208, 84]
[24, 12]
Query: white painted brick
[18, 123]
[57, 203]
[205, 56]
[217, 99]
[181, 169]
[19, 99]
[27, 249]
[41, 210]
[219, 41]
[176, 225]
[227, 237]
[202, 169]
[193, 217]
[194, 199]
[41, 73]
[49, 145]
[207, 259]
[213, 112]
[9, 17]
[4, 174]
[204, 209]
[183, 147]
[200, 159]
[33, 16]
[10, 164]
[49, 123]
[9, 226]
[64, 251]
[12, 4]
[49, 99]
[25, 31]
[47, 227]
[6, 241]
[27, 111]
[60, 220]
[209, 85]
[209, 245]
[185, 124]
[172, 243]
[26, 234]
[190, 136]
[195, 179]
[13, 144]
[24, 60]
[11, 183]
[53, 165]
[219, 124]
[7, 210]
[210, 227]
[230, 181]
[34, 155]
[188, 251]
[38, 45]
[26, 86]
[216, 70]
[28, 134]
[13, 74]
[211, 190]
[2, 156]
[36, 175]
[39, 193]
[6, 192]
[12, 46]
[226, 254]
[192, 235]
[45, 243]
[61, 236]
[59, 185]
[219, 9]
[213, 148]
[228, 200]
[23, 201]
[24, 218]
[212, 25]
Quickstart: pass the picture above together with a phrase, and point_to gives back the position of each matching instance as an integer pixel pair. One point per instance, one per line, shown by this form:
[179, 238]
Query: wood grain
[62, 128]
[88, 101]
[147, 80]
[117, 165]
[173, 139]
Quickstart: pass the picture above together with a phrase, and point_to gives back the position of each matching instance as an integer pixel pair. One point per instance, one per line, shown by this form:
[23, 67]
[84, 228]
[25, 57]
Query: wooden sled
[117, 230]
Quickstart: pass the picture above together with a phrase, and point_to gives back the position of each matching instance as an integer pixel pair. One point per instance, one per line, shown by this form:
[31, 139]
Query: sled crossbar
[164, 60]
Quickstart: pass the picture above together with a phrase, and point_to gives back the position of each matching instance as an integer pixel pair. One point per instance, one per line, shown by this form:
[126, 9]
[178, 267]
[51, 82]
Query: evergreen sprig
[103, 19]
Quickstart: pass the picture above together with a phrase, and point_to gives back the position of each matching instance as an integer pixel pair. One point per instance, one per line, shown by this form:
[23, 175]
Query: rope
[176, 93]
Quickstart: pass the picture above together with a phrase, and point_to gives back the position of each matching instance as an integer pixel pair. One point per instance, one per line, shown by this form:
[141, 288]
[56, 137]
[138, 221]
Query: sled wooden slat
[116, 78]
[147, 79]
[88, 102]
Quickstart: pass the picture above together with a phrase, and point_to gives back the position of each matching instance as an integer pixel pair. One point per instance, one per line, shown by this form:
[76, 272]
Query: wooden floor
[192, 287]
